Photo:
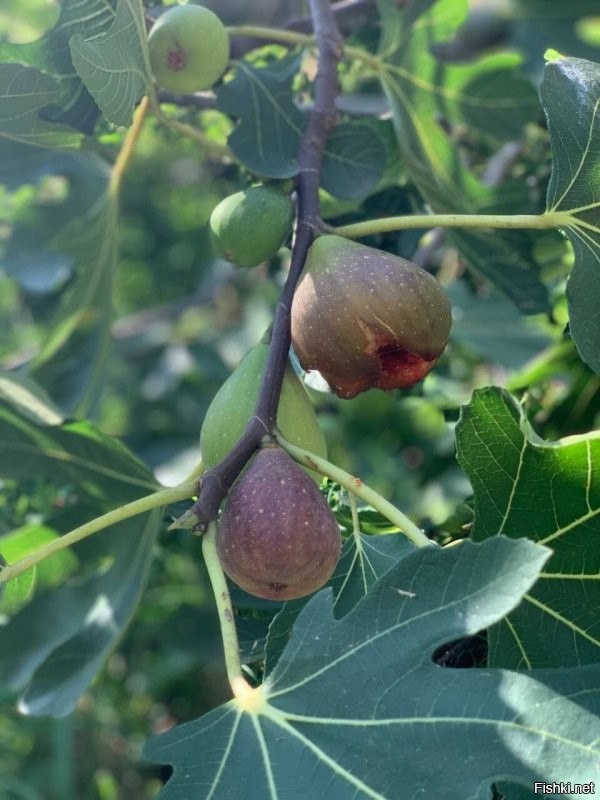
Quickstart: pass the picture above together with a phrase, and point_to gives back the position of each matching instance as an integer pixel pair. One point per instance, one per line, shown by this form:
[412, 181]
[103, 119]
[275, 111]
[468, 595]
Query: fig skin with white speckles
[277, 538]
[367, 319]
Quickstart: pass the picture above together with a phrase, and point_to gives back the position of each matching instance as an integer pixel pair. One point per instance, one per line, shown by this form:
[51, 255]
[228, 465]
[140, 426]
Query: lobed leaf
[51, 54]
[358, 706]
[571, 98]
[24, 92]
[115, 67]
[548, 492]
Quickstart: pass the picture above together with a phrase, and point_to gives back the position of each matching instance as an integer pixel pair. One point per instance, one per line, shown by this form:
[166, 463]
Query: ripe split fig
[277, 538]
[189, 49]
[249, 227]
[233, 405]
[367, 319]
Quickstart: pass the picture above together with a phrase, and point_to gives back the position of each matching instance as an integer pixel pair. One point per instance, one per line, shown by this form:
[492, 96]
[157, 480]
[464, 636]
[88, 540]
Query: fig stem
[128, 147]
[155, 500]
[550, 219]
[239, 685]
[356, 487]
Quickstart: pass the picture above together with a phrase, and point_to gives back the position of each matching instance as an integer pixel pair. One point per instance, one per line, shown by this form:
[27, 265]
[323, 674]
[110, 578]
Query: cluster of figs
[362, 317]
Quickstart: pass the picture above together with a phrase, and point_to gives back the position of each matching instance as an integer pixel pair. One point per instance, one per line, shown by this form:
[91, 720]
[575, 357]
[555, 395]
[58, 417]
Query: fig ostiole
[367, 319]
[233, 405]
[189, 49]
[249, 227]
[277, 537]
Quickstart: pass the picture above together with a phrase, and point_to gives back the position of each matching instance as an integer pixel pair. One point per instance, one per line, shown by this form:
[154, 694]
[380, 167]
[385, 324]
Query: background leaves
[58, 639]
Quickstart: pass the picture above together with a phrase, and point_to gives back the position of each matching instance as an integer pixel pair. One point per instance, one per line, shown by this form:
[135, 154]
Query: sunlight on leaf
[115, 67]
[550, 493]
[51, 54]
[24, 91]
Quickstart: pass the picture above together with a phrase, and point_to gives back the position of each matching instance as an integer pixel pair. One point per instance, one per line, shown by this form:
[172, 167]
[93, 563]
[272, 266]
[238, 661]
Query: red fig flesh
[277, 538]
[367, 319]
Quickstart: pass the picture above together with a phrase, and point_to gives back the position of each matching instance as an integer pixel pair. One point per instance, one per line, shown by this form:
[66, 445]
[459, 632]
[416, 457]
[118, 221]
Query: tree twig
[217, 482]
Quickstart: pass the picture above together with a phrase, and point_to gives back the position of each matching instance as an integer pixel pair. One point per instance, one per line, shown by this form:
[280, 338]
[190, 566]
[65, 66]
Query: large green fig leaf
[54, 638]
[358, 706]
[426, 94]
[270, 125]
[269, 128]
[51, 54]
[549, 492]
[115, 67]
[570, 96]
[24, 92]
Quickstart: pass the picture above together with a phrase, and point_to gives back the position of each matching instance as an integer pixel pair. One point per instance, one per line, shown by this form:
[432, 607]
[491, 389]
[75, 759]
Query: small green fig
[367, 319]
[233, 405]
[277, 537]
[189, 49]
[249, 227]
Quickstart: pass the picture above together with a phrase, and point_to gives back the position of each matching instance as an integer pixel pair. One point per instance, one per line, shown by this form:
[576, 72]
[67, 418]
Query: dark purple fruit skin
[277, 538]
[367, 319]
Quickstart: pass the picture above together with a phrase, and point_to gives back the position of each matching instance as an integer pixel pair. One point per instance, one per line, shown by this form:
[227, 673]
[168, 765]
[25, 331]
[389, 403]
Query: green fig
[189, 49]
[233, 405]
[367, 319]
[249, 227]
[277, 537]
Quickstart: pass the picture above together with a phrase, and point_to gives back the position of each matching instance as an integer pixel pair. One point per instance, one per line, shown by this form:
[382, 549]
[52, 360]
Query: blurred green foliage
[184, 320]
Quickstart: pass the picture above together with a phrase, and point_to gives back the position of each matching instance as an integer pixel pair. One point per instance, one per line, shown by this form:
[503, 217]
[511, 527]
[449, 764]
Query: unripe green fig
[189, 49]
[277, 537]
[367, 319]
[249, 227]
[233, 405]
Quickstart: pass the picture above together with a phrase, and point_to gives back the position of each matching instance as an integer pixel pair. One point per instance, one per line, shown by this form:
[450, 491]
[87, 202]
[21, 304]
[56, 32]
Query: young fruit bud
[277, 536]
[189, 49]
[233, 405]
[367, 319]
[249, 227]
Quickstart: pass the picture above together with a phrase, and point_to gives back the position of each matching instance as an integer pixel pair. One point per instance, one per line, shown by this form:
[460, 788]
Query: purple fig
[277, 538]
[367, 319]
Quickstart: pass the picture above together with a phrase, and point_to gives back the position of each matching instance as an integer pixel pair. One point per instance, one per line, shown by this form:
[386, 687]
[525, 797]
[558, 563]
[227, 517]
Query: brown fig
[277, 538]
[367, 319]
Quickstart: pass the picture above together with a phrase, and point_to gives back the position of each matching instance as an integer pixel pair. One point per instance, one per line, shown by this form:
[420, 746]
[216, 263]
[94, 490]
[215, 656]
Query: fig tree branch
[217, 482]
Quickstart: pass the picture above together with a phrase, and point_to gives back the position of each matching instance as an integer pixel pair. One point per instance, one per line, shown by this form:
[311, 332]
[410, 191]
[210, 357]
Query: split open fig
[277, 538]
[367, 319]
